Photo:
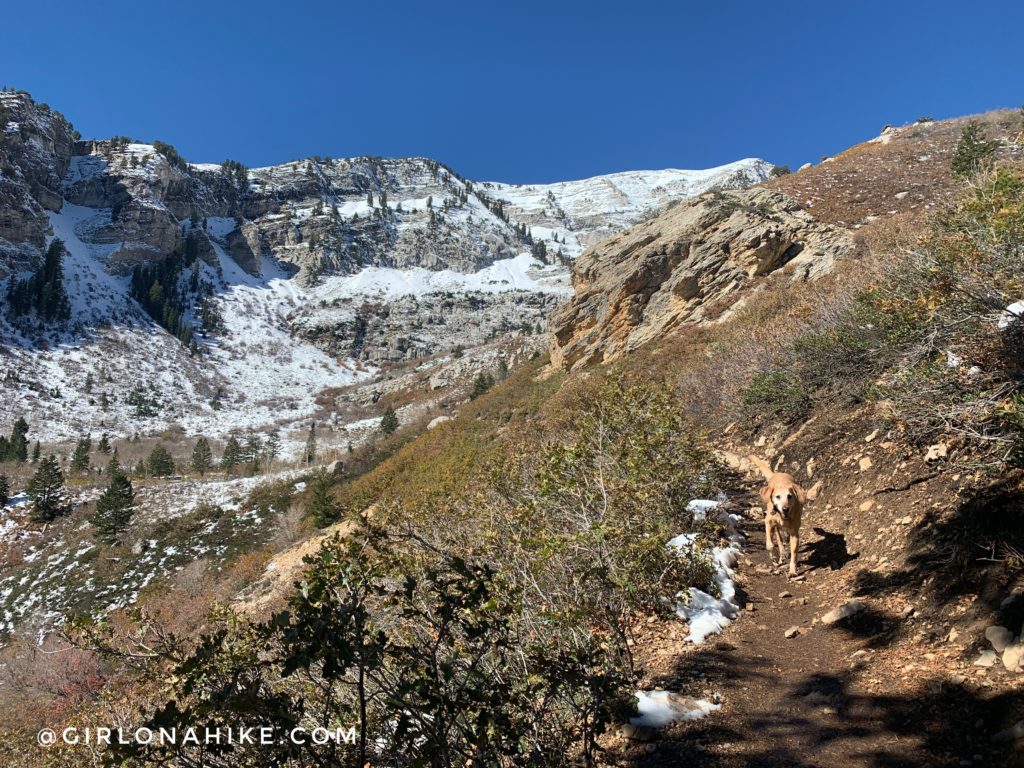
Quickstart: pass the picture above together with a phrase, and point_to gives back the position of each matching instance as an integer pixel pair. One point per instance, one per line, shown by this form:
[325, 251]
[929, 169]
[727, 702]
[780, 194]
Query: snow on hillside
[286, 341]
[263, 374]
[522, 273]
[580, 213]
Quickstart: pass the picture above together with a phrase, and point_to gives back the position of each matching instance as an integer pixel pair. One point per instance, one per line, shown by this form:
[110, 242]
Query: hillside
[883, 376]
[567, 565]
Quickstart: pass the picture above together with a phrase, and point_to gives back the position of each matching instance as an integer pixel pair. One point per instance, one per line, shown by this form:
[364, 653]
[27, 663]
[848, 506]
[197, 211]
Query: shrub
[430, 669]
[491, 622]
[776, 393]
[931, 339]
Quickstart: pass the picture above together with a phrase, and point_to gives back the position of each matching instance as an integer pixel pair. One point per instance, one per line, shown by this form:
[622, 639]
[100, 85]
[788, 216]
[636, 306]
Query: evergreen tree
[482, 383]
[272, 448]
[46, 490]
[389, 421]
[202, 456]
[160, 463]
[322, 507]
[309, 454]
[43, 292]
[251, 450]
[16, 448]
[103, 446]
[36, 452]
[115, 505]
[232, 455]
[80, 458]
[5, 490]
[974, 152]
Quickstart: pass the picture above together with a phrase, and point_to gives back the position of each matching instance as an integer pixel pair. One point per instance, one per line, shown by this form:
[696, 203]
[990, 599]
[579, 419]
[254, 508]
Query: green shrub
[776, 393]
[430, 666]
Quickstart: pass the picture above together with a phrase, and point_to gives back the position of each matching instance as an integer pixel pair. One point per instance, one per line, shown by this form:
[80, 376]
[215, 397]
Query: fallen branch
[906, 486]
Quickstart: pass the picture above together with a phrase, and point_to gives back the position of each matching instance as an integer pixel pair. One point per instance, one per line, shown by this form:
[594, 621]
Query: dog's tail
[763, 466]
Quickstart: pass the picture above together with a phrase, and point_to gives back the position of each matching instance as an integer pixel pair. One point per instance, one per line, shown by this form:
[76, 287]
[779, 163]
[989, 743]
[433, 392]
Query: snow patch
[659, 708]
[705, 613]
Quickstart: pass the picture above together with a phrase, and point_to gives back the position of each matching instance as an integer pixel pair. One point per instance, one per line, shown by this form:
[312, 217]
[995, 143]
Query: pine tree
[389, 421]
[272, 448]
[309, 454]
[251, 450]
[43, 292]
[80, 458]
[202, 456]
[232, 455]
[160, 463]
[36, 452]
[5, 490]
[974, 152]
[17, 443]
[46, 490]
[103, 446]
[322, 506]
[115, 505]
[482, 383]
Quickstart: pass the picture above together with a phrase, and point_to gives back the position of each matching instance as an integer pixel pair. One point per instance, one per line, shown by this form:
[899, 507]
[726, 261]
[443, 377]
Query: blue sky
[518, 91]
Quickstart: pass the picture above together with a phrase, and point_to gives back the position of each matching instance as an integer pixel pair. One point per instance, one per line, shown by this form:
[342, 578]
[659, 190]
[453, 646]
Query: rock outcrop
[689, 265]
[35, 149]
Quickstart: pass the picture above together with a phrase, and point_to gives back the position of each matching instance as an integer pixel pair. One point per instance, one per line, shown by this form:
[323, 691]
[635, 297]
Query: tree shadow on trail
[961, 551]
[819, 719]
[827, 552]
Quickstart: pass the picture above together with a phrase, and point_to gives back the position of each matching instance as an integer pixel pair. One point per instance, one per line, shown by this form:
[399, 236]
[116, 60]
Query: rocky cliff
[35, 150]
[318, 216]
[690, 264]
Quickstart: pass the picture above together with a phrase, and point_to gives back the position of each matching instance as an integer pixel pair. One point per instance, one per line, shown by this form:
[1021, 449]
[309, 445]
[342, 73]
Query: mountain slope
[322, 273]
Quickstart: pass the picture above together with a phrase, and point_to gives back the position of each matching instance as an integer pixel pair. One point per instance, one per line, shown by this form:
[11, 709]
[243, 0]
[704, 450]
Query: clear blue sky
[518, 90]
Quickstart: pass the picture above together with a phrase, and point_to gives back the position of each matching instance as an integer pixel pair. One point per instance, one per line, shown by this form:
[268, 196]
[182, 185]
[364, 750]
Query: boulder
[842, 612]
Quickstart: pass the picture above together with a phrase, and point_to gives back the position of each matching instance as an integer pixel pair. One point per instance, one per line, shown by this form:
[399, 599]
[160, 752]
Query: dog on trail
[784, 500]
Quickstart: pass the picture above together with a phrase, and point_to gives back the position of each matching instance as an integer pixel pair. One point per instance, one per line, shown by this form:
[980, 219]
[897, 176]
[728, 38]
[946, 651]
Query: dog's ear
[766, 494]
[801, 494]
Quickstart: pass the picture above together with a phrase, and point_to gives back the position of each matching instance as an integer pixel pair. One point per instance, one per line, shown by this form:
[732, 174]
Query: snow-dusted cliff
[322, 270]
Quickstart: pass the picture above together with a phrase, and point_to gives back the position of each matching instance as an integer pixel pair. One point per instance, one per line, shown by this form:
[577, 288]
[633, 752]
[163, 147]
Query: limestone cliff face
[35, 149]
[689, 265]
[318, 217]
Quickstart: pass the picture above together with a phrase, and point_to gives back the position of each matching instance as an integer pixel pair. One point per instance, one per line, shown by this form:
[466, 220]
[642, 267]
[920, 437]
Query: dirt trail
[828, 697]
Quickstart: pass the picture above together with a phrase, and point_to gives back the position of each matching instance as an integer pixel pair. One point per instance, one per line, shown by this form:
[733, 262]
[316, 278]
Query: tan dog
[784, 501]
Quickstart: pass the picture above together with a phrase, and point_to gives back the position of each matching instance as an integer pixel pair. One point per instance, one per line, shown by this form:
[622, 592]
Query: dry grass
[863, 182]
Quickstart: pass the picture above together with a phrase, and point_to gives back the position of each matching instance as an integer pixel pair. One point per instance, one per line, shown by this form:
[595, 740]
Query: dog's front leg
[768, 536]
[794, 545]
[782, 547]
